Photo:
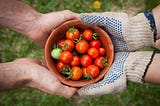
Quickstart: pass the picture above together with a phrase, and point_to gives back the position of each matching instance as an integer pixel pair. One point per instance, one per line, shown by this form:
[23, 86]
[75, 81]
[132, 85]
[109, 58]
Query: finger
[90, 90]
[49, 83]
[66, 91]
[43, 63]
[68, 15]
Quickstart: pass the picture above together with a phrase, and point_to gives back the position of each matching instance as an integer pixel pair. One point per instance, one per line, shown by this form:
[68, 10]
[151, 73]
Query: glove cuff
[137, 32]
[127, 33]
[136, 65]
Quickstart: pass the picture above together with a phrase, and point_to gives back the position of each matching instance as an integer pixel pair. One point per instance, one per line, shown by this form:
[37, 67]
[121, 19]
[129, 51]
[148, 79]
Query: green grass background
[14, 45]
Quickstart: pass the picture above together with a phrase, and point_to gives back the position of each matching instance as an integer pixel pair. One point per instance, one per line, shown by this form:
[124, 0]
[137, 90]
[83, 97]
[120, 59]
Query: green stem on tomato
[88, 76]
[104, 62]
[66, 71]
[95, 36]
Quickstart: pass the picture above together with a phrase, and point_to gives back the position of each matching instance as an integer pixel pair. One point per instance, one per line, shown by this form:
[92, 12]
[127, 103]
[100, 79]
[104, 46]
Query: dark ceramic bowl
[59, 33]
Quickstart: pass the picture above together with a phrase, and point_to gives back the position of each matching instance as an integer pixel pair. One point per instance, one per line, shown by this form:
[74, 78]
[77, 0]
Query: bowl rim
[71, 82]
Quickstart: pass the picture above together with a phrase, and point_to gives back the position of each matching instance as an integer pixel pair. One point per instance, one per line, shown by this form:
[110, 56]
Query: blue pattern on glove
[114, 72]
[112, 26]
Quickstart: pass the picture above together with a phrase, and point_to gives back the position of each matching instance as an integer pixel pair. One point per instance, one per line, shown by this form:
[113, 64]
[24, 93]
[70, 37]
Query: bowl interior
[59, 33]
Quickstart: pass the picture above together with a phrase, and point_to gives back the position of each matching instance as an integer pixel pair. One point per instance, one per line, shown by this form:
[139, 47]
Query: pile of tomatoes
[79, 55]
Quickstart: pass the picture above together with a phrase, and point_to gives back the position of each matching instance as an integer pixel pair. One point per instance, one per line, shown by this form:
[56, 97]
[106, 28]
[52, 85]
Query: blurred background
[15, 45]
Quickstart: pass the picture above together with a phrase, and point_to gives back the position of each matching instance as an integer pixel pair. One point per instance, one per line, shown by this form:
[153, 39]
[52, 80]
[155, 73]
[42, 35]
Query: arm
[31, 73]
[153, 72]
[156, 14]
[24, 19]
[18, 16]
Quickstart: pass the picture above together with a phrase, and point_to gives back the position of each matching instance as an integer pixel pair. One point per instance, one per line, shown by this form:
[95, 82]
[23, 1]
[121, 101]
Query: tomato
[84, 69]
[93, 70]
[66, 57]
[86, 60]
[102, 51]
[87, 34]
[66, 44]
[60, 65]
[82, 46]
[76, 61]
[55, 53]
[93, 52]
[60, 43]
[101, 62]
[95, 43]
[72, 33]
[76, 73]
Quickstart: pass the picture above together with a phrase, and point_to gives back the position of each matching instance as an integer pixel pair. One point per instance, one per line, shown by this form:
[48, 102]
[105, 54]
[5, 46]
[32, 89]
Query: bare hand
[41, 78]
[46, 23]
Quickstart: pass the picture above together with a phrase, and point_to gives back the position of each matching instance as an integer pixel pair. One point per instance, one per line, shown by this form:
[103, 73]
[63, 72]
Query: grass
[14, 45]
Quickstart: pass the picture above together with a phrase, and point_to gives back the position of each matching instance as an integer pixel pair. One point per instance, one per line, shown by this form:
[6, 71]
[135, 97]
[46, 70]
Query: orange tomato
[82, 46]
[76, 73]
[72, 33]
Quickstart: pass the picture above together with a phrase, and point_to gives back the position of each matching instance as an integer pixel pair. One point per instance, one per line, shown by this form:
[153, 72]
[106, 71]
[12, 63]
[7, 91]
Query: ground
[14, 45]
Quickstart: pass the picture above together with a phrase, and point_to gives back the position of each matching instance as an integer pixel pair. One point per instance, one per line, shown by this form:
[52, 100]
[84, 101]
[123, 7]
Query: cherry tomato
[86, 60]
[60, 65]
[76, 73]
[93, 70]
[101, 62]
[66, 57]
[87, 34]
[72, 33]
[82, 46]
[66, 44]
[60, 43]
[84, 69]
[56, 52]
[76, 61]
[95, 43]
[102, 51]
[93, 52]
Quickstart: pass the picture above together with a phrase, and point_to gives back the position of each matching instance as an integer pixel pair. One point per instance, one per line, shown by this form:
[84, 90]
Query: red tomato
[101, 62]
[95, 43]
[72, 33]
[82, 46]
[93, 52]
[87, 34]
[60, 65]
[84, 69]
[93, 70]
[76, 73]
[61, 43]
[66, 57]
[66, 44]
[102, 51]
[76, 61]
[86, 60]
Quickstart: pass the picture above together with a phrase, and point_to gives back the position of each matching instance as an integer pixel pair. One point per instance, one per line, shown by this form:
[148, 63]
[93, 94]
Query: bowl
[59, 33]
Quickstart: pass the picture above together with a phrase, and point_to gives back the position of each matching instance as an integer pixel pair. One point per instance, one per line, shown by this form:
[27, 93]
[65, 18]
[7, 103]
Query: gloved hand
[127, 33]
[129, 66]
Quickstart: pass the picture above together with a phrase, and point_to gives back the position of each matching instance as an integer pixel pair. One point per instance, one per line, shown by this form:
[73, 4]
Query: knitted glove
[127, 33]
[127, 66]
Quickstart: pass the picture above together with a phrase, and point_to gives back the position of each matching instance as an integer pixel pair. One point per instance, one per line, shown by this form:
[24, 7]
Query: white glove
[127, 33]
[129, 66]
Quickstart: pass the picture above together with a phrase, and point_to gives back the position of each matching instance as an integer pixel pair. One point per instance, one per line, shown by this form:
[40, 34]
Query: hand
[46, 23]
[127, 66]
[28, 72]
[127, 33]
